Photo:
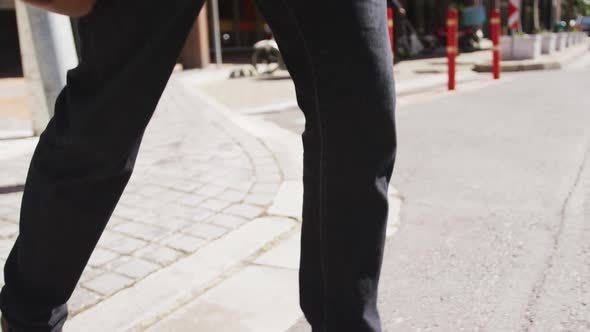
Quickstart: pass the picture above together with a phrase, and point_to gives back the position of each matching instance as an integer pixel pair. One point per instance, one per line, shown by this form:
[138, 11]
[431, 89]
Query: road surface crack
[531, 308]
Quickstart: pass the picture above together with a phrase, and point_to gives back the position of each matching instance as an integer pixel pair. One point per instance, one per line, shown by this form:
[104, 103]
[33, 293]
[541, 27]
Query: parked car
[585, 24]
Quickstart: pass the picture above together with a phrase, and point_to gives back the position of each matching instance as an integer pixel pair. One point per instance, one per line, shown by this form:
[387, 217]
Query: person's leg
[300, 67]
[86, 155]
[348, 94]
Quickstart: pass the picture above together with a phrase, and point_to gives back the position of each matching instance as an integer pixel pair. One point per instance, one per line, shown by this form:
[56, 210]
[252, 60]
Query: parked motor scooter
[469, 38]
[267, 57]
[470, 33]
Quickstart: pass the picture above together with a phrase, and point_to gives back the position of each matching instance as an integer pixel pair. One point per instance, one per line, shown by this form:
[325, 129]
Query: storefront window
[240, 23]
[428, 16]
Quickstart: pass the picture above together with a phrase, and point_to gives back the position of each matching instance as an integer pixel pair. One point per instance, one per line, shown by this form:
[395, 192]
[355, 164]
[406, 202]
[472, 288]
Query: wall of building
[429, 15]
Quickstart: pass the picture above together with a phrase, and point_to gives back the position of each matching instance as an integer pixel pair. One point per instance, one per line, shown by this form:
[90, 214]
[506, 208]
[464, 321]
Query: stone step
[263, 297]
[171, 288]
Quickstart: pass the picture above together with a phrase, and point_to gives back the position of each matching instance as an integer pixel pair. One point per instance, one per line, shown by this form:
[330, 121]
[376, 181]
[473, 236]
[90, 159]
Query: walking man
[339, 57]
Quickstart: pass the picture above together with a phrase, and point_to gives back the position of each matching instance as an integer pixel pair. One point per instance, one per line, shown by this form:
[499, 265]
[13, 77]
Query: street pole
[48, 51]
[216, 31]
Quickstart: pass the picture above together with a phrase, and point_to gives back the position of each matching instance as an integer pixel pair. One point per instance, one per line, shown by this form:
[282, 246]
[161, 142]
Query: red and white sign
[514, 14]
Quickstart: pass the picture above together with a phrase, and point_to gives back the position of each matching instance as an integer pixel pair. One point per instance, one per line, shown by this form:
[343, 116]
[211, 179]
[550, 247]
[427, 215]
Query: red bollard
[495, 23]
[452, 44]
[390, 24]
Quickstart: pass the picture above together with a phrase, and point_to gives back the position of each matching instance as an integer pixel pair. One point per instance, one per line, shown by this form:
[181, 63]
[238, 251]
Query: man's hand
[402, 11]
[74, 8]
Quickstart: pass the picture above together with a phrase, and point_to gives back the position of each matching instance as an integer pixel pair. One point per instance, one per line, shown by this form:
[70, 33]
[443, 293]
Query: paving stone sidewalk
[198, 178]
[206, 179]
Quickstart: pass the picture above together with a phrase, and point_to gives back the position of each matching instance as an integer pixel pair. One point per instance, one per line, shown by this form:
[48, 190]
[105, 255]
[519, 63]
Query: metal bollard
[452, 44]
[391, 35]
[495, 23]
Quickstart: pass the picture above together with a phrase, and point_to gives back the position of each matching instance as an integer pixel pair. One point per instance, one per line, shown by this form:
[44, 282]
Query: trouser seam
[323, 257]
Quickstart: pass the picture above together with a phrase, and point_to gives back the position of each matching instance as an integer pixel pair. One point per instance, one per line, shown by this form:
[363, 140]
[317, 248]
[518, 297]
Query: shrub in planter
[548, 43]
[576, 37]
[525, 47]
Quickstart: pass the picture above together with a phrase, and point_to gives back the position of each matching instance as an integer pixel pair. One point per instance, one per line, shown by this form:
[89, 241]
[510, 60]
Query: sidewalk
[205, 236]
[557, 60]
[14, 114]
[275, 93]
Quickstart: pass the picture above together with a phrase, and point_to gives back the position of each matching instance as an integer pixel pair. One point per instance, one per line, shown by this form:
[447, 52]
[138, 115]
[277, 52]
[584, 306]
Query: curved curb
[276, 265]
[288, 152]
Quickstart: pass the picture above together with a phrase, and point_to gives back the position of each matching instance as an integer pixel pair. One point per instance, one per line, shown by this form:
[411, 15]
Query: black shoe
[5, 326]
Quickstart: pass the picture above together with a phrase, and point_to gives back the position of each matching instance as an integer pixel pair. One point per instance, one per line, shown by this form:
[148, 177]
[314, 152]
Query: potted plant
[571, 39]
[561, 42]
[521, 46]
[578, 39]
[548, 42]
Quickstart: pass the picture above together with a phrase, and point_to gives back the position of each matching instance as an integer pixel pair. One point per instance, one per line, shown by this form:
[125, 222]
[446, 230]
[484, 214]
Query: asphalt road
[495, 231]
[494, 234]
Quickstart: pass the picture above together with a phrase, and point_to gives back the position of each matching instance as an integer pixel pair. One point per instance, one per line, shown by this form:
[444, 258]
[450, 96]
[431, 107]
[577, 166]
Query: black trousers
[338, 54]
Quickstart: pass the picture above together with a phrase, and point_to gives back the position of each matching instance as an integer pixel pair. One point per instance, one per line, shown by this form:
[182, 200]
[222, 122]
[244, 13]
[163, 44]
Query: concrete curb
[165, 291]
[546, 62]
[288, 151]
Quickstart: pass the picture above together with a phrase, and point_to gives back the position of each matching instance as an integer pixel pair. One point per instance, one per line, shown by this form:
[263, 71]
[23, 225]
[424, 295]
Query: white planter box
[571, 39]
[548, 43]
[561, 42]
[525, 47]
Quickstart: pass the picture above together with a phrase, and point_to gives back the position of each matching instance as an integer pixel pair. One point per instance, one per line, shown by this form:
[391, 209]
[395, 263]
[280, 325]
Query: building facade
[428, 16]
[242, 25]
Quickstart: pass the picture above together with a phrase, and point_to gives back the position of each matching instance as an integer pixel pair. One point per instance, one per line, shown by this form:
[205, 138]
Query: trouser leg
[349, 98]
[86, 155]
[300, 67]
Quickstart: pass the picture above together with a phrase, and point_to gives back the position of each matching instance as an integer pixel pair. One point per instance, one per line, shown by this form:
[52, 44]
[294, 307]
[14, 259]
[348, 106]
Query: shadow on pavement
[12, 189]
